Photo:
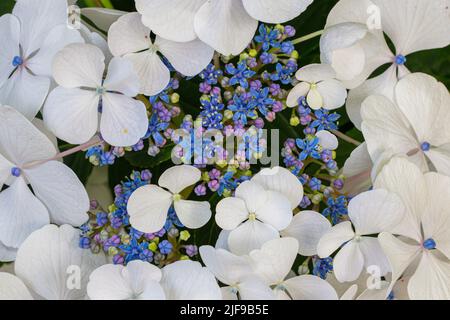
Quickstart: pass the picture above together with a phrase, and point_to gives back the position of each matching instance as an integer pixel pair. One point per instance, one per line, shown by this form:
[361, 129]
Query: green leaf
[142, 160]
[6, 6]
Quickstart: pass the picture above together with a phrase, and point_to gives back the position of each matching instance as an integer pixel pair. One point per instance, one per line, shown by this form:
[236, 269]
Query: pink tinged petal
[400, 255]
[188, 58]
[12, 288]
[225, 26]
[436, 220]
[415, 25]
[58, 38]
[383, 85]
[193, 214]
[376, 211]
[254, 288]
[333, 94]
[25, 92]
[275, 11]
[122, 78]
[283, 181]
[153, 74]
[327, 140]
[226, 267]
[308, 287]
[335, 238]
[178, 178]
[37, 19]
[148, 207]
[20, 141]
[72, 114]
[124, 120]
[21, 213]
[374, 255]
[172, 20]
[53, 264]
[7, 254]
[58, 187]
[431, 281]
[79, 65]
[249, 236]
[128, 35]
[299, 91]
[253, 194]
[9, 37]
[405, 179]
[275, 259]
[230, 213]
[188, 280]
[348, 262]
[276, 211]
[103, 18]
[307, 227]
[314, 73]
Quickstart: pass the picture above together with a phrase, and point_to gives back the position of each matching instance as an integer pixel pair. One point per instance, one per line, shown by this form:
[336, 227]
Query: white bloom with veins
[319, 86]
[371, 212]
[25, 158]
[72, 109]
[273, 263]
[415, 126]
[254, 216]
[422, 253]
[30, 37]
[226, 25]
[148, 206]
[355, 46]
[237, 274]
[130, 39]
[50, 265]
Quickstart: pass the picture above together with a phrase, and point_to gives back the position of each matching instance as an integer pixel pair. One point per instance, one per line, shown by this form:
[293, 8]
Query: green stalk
[307, 37]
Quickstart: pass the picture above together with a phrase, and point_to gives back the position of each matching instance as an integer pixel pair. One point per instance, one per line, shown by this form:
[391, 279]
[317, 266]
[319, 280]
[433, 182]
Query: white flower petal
[314, 73]
[374, 255]
[72, 114]
[226, 267]
[178, 178]
[54, 267]
[333, 93]
[193, 214]
[25, 92]
[230, 213]
[275, 259]
[222, 240]
[349, 11]
[103, 18]
[148, 207]
[415, 25]
[122, 78]
[299, 91]
[375, 211]
[188, 58]
[314, 99]
[58, 187]
[7, 254]
[431, 281]
[5, 170]
[307, 227]
[254, 288]
[225, 25]
[276, 211]
[12, 288]
[334, 238]
[9, 37]
[21, 213]
[440, 158]
[124, 120]
[187, 280]
[348, 262]
[172, 20]
[280, 11]
[20, 141]
[108, 283]
[144, 279]
[128, 35]
[327, 140]
[308, 287]
[79, 65]
[283, 181]
[229, 293]
[249, 236]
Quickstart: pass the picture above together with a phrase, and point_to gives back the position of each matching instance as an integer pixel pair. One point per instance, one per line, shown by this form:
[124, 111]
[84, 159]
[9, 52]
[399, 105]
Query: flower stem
[307, 37]
[345, 137]
[96, 140]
